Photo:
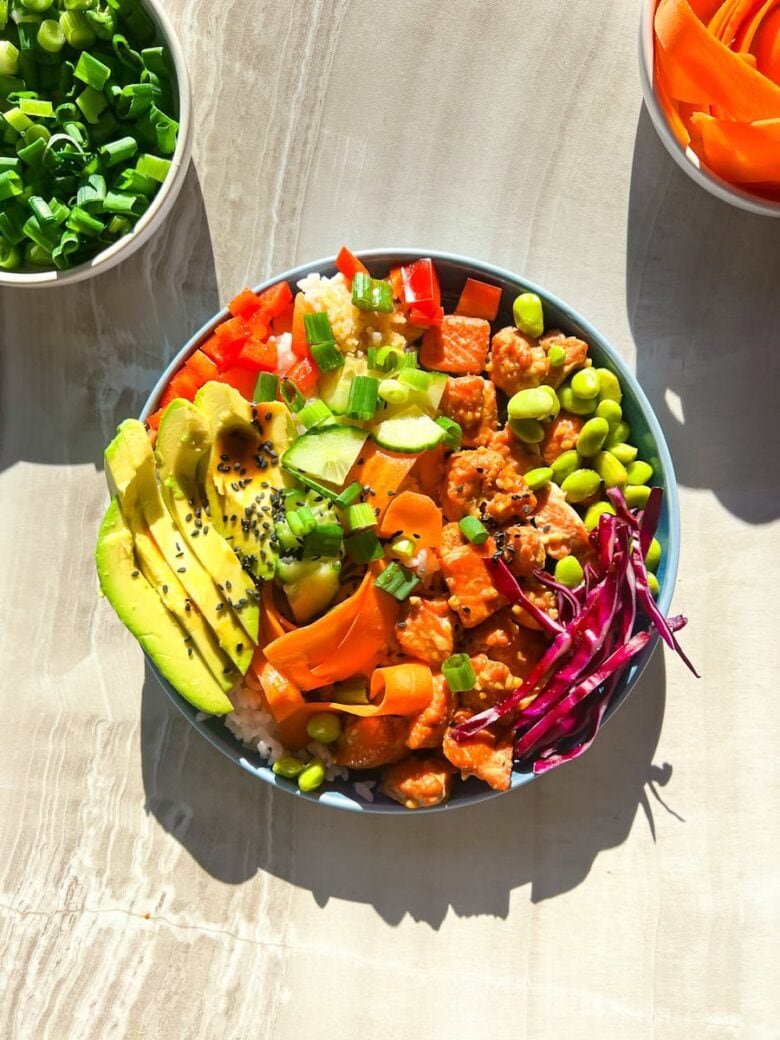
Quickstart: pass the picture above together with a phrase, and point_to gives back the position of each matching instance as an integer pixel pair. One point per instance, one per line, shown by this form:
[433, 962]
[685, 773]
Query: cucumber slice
[430, 398]
[301, 498]
[327, 454]
[334, 386]
[310, 585]
[409, 431]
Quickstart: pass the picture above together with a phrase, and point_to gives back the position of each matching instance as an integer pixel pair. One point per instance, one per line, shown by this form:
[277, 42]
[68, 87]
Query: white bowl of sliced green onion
[95, 134]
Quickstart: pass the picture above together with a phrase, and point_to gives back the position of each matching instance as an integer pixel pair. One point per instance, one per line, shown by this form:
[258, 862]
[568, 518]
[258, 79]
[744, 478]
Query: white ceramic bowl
[685, 158]
[163, 200]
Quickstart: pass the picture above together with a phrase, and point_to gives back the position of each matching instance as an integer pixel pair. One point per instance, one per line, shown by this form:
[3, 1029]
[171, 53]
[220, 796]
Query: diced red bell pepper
[479, 300]
[349, 265]
[258, 356]
[421, 292]
[153, 420]
[245, 304]
[213, 348]
[258, 326]
[275, 300]
[300, 347]
[182, 384]
[232, 335]
[283, 322]
[201, 368]
[304, 374]
[243, 379]
[396, 280]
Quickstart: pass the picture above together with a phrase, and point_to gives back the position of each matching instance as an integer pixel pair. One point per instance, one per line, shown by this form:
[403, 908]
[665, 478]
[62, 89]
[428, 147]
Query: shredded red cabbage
[573, 683]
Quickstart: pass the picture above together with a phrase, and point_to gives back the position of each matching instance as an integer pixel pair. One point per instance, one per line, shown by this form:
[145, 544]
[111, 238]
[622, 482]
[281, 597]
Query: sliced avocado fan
[183, 441]
[131, 467]
[175, 650]
[242, 475]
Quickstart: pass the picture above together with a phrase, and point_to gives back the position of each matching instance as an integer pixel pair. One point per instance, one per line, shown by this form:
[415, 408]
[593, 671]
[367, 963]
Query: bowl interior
[686, 158]
[163, 201]
[646, 434]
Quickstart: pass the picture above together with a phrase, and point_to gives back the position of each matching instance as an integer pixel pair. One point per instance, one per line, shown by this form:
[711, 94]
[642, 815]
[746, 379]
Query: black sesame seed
[165, 588]
[180, 570]
[134, 574]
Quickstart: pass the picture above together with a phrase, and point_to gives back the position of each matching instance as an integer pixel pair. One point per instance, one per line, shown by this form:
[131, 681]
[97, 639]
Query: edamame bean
[576, 405]
[529, 430]
[288, 766]
[612, 472]
[555, 404]
[312, 776]
[625, 453]
[569, 572]
[556, 355]
[653, 557]
[636, 495]
[585, 383]
[533, 403]
[581, 484]
[325, 727]
[592, 436]
[611, 411]
[565, 464]
[652, 584]
[618, 434]
[528, 314]
[610, 386]
[639, 472]
[537, 478]
[595, 511]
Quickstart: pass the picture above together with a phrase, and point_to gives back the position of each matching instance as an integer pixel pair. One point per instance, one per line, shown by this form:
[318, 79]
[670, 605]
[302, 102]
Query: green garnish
[474, 530]
[397, 581]
[459, 673]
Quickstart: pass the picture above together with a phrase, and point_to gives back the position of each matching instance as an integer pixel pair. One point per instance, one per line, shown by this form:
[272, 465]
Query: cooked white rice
[353, 329]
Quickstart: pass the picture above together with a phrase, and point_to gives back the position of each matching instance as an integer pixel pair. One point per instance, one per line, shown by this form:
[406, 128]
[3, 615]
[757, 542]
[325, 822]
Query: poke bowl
[298, 647]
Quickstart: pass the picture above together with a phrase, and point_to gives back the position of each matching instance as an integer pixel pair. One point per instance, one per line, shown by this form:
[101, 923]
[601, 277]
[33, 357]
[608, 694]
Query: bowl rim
[163, 201]
[337, 799]
[686, 158]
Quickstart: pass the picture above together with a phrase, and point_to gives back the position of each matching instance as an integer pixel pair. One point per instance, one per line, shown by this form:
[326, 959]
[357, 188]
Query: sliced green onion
[371, 294]
[397, 581]
[10, 185]
[165, 130]
[324, 540]
[393, 392]
[136, 99]
[474, 530]
[9, 162]
[327, 356]
[314, 413]
[37, 254]
[364, 547]
[10, 255]
[118, 151]
[91, 102]
[83, 222]
[77, 30]
[92, 71]
[17, 119]
[9, 58]
[351, 691]
[132, 180]
[349, 495]
[388, 359]
[12, 221]
[153, 166]
[318, 328]
[68, 244]
[117, 227]
[37, 6]
[91, 192]
[36, 107]
[33, 153]
[291, 395]
[359, 517]
[285, 537]
[102, 23]
[404, 548]
[124, 203]
[266, 388]
[42, 211]
[459, 673]
[45, 237]
[36, 133]
[301, 521]
[453, 434]
[362, 401]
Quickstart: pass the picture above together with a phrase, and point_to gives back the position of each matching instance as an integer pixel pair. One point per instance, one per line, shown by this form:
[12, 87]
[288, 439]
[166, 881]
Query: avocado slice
[139, 607]
[131, 467]
[183, 441]
[243, 476]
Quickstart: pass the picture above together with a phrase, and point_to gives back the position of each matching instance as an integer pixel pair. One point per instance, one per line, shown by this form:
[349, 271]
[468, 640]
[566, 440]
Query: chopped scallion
[474, 530]
[404, 548]
[453, 434]
[397, 581]
[153, 166]
[324, 540]
[359, 517]
[291, 395]
[459, 673]
[349, 495]
[314, 413]
[364, 547]
[371, 294]
[285, 537]
[362, 401]
[318, 328]
[301, 521]
[92, 71]
[327, 356]
[393, 392]
[266, 388]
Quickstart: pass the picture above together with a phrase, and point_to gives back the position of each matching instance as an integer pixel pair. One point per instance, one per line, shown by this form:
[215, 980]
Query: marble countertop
[150, 889]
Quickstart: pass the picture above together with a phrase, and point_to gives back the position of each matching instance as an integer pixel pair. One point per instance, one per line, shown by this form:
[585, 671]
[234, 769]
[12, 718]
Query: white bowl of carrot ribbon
[710, 73]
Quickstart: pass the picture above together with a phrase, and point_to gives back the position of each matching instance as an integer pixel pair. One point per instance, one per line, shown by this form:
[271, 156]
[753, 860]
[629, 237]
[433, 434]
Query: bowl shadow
[546, 835]
[704, 311]
[76, 359]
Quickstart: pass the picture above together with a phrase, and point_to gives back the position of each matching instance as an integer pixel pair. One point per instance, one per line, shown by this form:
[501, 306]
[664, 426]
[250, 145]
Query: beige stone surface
[148, 889]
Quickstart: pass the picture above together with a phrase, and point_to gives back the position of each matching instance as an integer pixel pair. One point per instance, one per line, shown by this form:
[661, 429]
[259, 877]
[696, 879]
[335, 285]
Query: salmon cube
[458, 345]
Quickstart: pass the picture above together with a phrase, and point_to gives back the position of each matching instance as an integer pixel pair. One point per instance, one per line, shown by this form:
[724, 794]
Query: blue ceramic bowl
[646, 434]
